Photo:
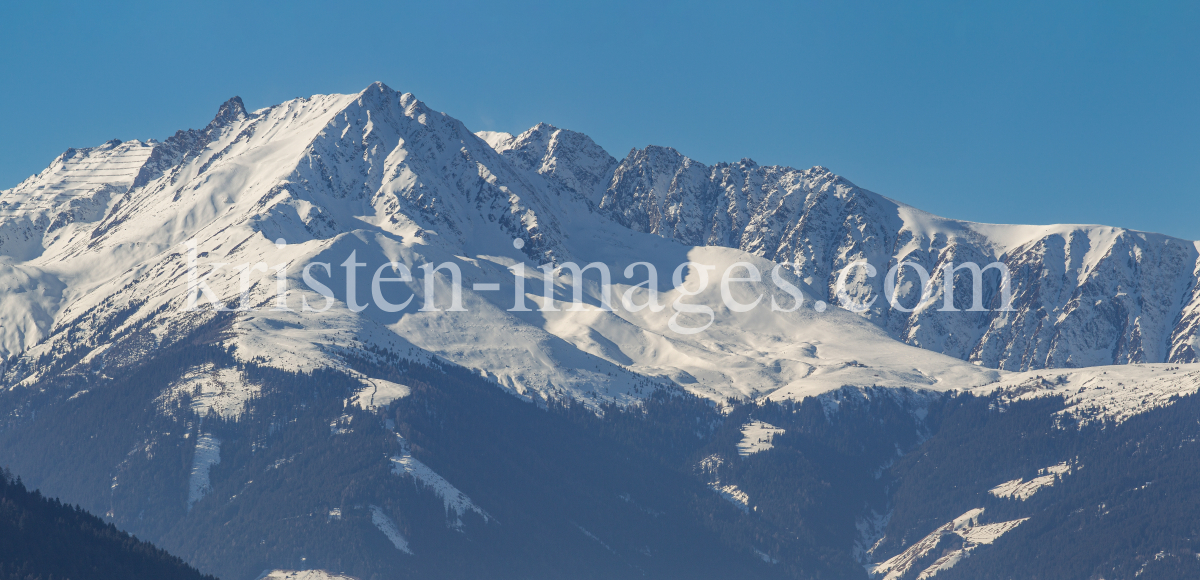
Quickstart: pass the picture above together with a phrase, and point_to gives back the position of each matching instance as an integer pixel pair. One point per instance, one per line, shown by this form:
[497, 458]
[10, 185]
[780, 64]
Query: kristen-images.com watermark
[642, 292]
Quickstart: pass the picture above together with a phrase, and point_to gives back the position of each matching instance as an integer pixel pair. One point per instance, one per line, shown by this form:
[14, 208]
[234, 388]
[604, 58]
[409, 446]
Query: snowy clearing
[756, 437]
[966, 526]
[208, 454]
[1023, 490]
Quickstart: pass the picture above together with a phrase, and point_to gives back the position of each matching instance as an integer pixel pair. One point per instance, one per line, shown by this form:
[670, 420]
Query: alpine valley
[486, 435]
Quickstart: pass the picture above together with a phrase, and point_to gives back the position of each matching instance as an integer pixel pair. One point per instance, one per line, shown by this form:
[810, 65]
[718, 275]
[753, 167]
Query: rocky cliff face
[1081, 295]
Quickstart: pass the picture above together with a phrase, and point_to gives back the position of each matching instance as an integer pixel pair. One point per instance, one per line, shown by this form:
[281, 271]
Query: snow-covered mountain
[102, 231]
[381, 175]
[98, 253]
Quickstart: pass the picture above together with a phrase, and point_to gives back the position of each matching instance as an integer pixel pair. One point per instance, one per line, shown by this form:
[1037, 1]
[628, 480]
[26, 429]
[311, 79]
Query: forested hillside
[45, 539]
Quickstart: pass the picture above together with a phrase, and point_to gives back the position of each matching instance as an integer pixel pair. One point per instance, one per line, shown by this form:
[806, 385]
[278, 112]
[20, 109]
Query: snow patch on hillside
[207, 454]
[733, 495]
[756, 437]
[302, 575]
[223, 391]
[1023, 490]
[966, 526]
[454, 500]
[1108, 393]
[379, 393]
[341, 424]
[708, 468]
[871, 530]
[389, 529]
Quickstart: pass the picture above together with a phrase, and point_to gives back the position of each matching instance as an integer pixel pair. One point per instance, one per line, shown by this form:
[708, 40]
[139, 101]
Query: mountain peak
[230, 111]
[379, 87]
[540, 133]
[379, 95]
[498, 140]
[657, 154]
[377, 92]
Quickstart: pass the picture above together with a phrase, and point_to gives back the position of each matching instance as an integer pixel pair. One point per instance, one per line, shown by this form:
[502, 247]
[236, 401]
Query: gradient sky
[1022, 112]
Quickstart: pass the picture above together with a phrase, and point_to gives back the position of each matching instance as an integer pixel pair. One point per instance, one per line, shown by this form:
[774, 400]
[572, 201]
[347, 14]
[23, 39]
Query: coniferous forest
[44, 539]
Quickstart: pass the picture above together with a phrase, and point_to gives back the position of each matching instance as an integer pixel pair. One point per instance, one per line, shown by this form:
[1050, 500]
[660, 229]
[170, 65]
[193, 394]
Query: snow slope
[966, 526]
[1023, 490]
[222, 391]
[389, 529]
[1112, 393]
[455, 501]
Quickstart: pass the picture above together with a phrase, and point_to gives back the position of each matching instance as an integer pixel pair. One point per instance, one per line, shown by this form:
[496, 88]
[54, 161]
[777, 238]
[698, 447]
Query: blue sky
[1019, 112]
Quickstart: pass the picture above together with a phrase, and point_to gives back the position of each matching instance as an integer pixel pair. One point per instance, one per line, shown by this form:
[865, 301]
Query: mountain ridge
[382, 169]
[820, 223]
[521, 427]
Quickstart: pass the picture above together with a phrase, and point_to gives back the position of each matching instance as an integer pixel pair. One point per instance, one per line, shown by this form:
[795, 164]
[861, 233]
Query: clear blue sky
[1024, 112]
